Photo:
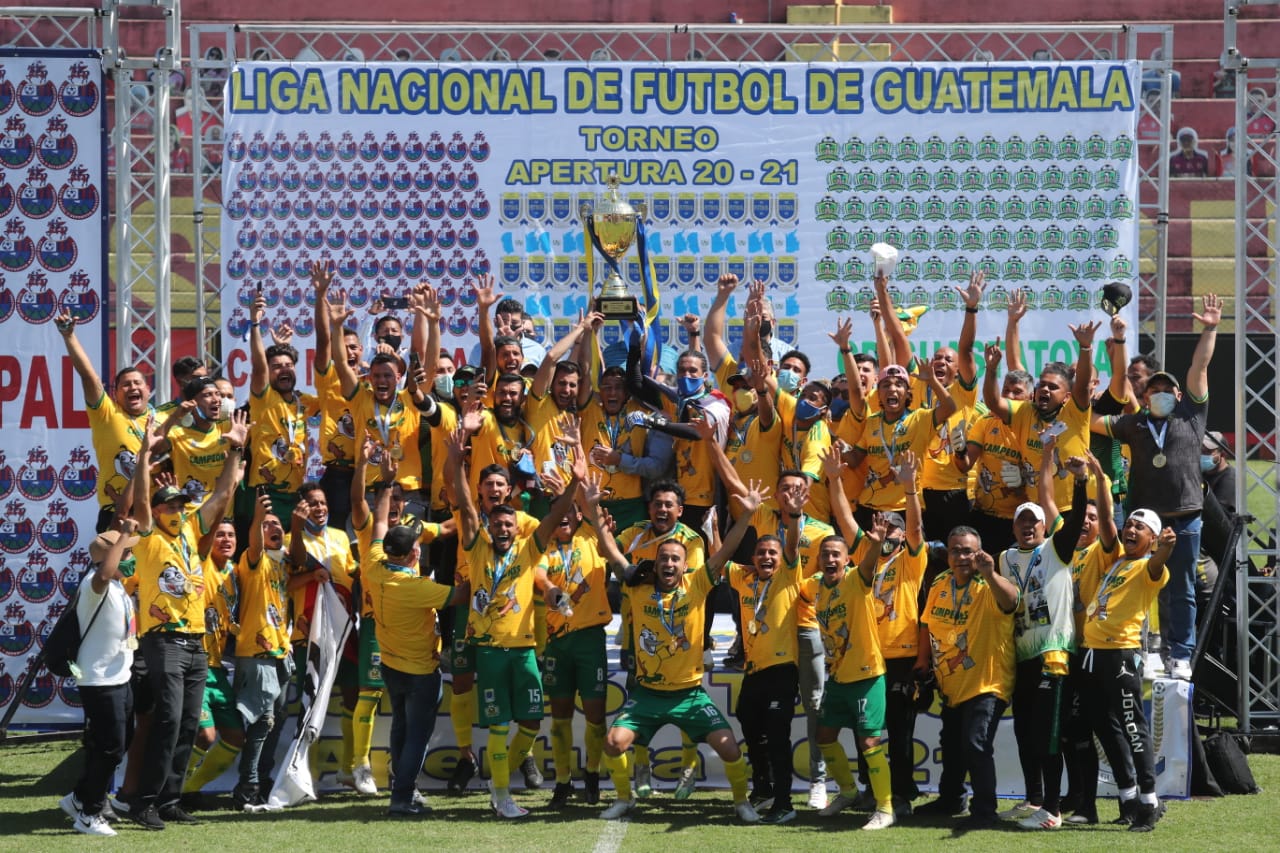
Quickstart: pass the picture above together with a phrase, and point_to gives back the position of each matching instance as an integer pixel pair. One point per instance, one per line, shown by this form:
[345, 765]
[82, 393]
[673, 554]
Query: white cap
[1149, 520]
[1033, 508]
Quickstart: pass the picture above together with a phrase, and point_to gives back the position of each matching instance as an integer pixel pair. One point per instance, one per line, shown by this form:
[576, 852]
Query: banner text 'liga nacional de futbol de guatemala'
[784, 172]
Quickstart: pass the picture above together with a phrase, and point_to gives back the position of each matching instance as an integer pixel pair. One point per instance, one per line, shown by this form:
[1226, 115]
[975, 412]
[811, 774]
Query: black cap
[1166, 376]
[167, 494]
[399, 541]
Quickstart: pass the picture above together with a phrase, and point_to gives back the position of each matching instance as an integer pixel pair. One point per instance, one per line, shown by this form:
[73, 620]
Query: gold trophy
[611, 225]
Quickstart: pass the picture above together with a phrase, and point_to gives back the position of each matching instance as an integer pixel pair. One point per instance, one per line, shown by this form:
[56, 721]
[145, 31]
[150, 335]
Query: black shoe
[245, 795]
[1126, 812]
[533, 778]
[1071, 802]
[192, 801]
[761, 797]
[463, 773]
[1144, 817]
[591, 787]
[974, 822]
[408, 810]
[560, 796]
[174, 813]
[146, 817]
[940, 808]
[779, 814]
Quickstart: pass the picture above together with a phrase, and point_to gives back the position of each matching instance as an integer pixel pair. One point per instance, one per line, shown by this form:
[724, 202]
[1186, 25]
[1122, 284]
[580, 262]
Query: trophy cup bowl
[613, 221]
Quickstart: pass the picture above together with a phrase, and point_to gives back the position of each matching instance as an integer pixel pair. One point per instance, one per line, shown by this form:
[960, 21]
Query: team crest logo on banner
[36, 302]
[36, 95]
[6, 578]
[37, 479]
[78, 198]
[78, 564]
[36, 581]
[36, 197]
[17, 634]
[56, 148]
[42, 690]
[17, 148]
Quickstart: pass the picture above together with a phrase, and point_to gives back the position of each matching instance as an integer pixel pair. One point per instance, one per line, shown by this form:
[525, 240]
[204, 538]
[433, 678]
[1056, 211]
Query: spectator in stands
[1224, 83]
[1189, 161]
[1227, 157]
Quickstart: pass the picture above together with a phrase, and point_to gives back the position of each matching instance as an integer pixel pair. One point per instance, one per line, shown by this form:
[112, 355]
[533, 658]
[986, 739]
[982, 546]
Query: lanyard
[1106, 579]
[384, 421]
[399, 569]
[891, 450]
[506, 439]
[613, 427]
[636, 544]
[297, 424]
[782, 527]
[1158, 437]
[883, 573]
[760, 596]
[183, 550]
[667, 618]
[957, 602]
[1021, 580]
[131, 424]
[500, 568]
[740, 435]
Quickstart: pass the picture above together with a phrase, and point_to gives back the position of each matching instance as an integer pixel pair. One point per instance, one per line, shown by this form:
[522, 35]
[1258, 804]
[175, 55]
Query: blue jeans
[1178, 598]
[968, 746]
[414, 699]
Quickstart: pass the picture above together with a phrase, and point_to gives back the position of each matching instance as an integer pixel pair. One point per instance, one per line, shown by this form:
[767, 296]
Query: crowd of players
[489, 518]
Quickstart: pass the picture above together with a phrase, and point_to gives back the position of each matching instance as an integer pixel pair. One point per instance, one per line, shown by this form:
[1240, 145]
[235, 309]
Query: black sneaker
[975, 822]
[560, 796]
[175, 813]
[1126, 812]
[940, 808]
[408, 810]
[146, 816]
[244, 795]
[779, 814]
[533, 778]
[1144, 817]
[463, 773]
[591, 787]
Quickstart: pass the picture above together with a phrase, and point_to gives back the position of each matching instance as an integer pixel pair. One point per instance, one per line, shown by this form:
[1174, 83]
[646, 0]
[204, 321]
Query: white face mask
[1162, 403]
[276, 554]
[444, 385]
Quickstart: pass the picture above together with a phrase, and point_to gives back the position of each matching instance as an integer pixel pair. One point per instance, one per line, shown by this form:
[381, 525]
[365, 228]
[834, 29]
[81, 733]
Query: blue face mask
[788, 380]
[1206, 462]
[689, 386]
[806, 411]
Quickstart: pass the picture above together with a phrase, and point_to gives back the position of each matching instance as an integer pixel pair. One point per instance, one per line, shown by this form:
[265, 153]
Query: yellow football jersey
[502, 593]
[117, 438]
[668, 631]
[847, 622]
[278, 440]
[884, 442]
[580, 571]
[768, 614]
[972, 640]
[264, 625]
[404, 609]
[171, 584]
[1122, 597]
[198, 456]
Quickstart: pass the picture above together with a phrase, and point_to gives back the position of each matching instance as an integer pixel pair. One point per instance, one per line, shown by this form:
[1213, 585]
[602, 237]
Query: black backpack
[1228, 763]
[63, 644]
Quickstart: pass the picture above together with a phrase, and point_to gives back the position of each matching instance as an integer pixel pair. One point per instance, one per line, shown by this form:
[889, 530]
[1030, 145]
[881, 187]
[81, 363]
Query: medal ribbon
[740, 435]
[636, 544]
[760, 596]
[384, 421]
[1031, 567]
[891, 450]
[500, 568]
[1106, 579]
[131, 424]
[613, 427]
[882, 573]
[668, 619]
[957, 601]
[1158, 438]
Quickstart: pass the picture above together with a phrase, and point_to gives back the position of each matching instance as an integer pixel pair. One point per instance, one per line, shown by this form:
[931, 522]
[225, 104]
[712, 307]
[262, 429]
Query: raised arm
[884, 350]
[1198, 373]
[841, 338]
[747, 506]
[706, 431]
[1002, 588]
[360, 509]
[212, 510]
[570, 434]
[1107, 533]
[692, 326]
[1164, 550]
[893, 328]
[109, 569]
[841, 511]
[1084, 334]
[80, 361]
[259, 376]
[1064, 541]
[1013, 340]
[261, 506]
[427, 308]
[547, 369]
[715, 331]
[876, 534]
[382, 500]
[468, 516]
[338, 316]
[946, 405]
[1044, 483]
[138, 483]
[1118, 360]
[321, 279]
[998, 405]
[602, 525]
[972, 296]
[486, 298]
[906, 477]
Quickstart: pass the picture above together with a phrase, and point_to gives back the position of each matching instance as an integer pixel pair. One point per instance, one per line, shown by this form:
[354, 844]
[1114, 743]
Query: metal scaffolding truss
[138, 100]
[1257, 364]
[213, 49]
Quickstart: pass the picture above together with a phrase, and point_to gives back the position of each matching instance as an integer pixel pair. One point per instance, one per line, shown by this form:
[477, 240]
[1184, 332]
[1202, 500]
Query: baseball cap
[738, 379]
[466, 374]
[1214, 440]
[1149, 519]
[399, 541]
[167, 494]
[895, 520]
[103, 541]
[1033, 508]
[893, 371]
[1166, 376]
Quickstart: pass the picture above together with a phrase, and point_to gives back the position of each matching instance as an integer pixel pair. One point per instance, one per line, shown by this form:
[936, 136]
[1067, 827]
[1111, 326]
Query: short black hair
[569, 367]
[1058, 367]
[192, 388]
[804, 359]
[185, 367]
[282, 349]
[864, 357]
[381, 321]
[309, 487]
[502, 509]
[615, 371]
[489, 470]
[399, 541]
[509, 305]
[1150, 362]
[965, 530]
[388, 358]
[665, 486]
[124, 371]
[507, 341]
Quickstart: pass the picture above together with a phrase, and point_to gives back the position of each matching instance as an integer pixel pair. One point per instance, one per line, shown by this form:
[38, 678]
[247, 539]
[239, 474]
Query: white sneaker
[346, 779]
[92, 825]
[1042, 819]
[1180, 669]
[1153, 666]
[70, 805]
[619, 809]
[644, 781]
[880, 820]
[818, 798]
[363, 782]
[688, 783]
[1018, 812]
[838, 804]
[507, 808]
[746, 812]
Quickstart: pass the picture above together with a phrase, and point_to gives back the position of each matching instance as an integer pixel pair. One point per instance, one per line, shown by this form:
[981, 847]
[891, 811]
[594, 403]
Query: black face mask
[766, 328]
[392, 341]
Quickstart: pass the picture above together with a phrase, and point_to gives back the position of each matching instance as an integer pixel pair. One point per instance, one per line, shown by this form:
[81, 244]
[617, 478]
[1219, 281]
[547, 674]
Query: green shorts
[508, 684]
[370, 664]
[462, 660]
[690, 710]
[858, 706]
[575, 663]
[218, 708]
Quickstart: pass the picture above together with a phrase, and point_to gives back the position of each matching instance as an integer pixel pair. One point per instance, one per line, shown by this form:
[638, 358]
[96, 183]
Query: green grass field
[33, 776]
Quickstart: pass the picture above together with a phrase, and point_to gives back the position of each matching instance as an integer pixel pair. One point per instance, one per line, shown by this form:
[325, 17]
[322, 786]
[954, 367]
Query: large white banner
[52, 257]
[784, 172]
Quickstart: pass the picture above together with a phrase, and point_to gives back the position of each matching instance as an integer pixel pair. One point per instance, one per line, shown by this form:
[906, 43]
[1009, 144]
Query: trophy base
[616, 307]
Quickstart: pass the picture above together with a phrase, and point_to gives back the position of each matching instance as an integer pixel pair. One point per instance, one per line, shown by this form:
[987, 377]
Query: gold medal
[1092, 609]
[951, 638]
[1159, 460]
[673, 646]
[878, 607]
[396, 451]
[745, 457]
[753, 627]
[131, 644]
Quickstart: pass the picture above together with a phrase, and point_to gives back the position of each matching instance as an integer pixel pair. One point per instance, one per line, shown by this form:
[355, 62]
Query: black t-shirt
[1178, 486]
[1105, 448]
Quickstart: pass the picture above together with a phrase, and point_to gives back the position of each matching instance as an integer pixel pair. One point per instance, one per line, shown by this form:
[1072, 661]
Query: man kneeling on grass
[667, 612]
